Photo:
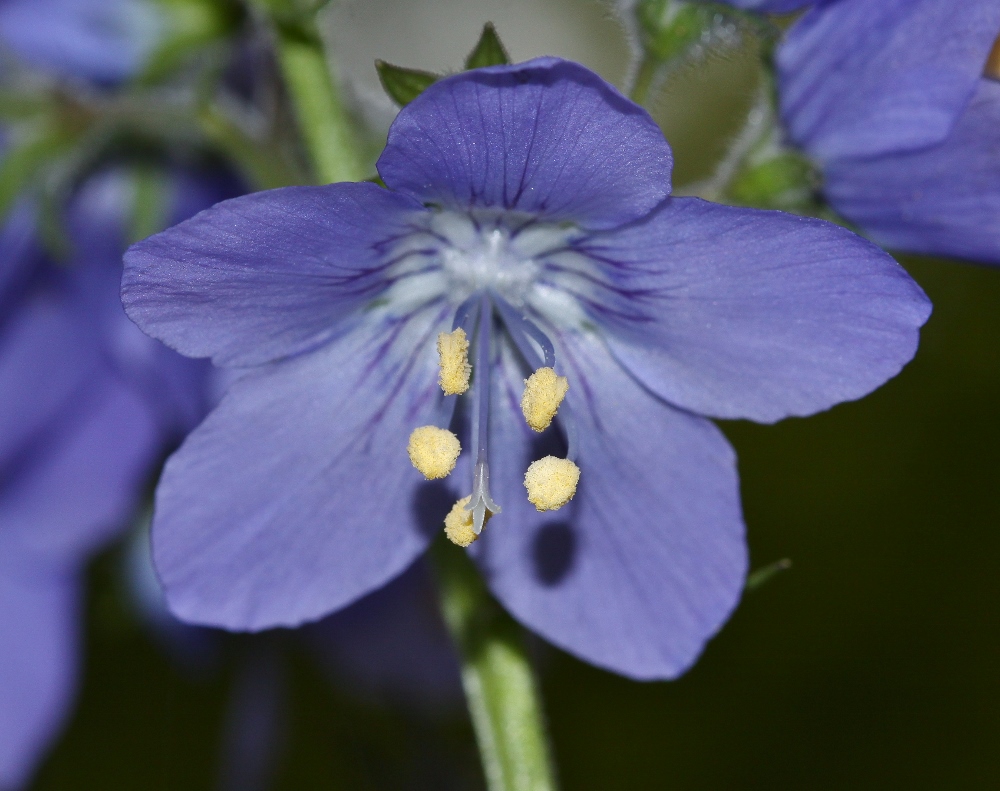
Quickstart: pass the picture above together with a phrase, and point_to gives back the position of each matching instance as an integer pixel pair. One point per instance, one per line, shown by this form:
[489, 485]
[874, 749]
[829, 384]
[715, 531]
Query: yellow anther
[551, 482]
[544, 391]
[433, 451]
[458, 524]
[453, 351]
[992, 69]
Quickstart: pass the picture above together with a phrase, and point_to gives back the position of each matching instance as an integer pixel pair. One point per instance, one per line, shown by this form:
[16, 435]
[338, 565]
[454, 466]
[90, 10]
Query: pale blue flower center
[497, 270]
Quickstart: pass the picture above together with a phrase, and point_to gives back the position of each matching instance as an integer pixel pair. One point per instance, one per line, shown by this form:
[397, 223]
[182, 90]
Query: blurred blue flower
[90, 407]
[897, 102]
[105, 41]
[390, 647]
[528, 205]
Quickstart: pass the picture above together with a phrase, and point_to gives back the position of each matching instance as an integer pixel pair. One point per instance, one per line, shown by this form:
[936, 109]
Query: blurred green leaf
[262, 163]
[149, 203]
[403, 85]
[191, 27]
[768, 572]
[23, 163]
[489, 51]
[17, 105]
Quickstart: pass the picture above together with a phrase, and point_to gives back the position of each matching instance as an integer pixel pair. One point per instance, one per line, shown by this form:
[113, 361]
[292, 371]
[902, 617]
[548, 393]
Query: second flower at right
[899, 103]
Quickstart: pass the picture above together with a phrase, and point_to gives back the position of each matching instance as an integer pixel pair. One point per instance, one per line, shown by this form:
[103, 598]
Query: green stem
[644, 77]
[323, 120]
[498, 677]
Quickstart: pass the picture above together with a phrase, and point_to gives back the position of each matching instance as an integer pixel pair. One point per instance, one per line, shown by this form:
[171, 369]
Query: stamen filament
[519, 327]
[465, 316]
[465, 319]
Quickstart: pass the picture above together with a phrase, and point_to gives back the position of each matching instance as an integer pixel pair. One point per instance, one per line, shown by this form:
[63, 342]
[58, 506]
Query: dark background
[871, 664]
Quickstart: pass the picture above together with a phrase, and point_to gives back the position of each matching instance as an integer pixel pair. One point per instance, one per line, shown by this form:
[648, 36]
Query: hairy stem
[498, 677]
[645, 74]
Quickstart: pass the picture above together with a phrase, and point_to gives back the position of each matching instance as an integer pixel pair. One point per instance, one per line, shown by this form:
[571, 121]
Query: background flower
[892, 101]
[91, 406]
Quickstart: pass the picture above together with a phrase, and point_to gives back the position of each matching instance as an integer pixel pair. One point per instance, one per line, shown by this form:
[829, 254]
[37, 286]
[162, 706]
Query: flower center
[499, 253]
[500, 272]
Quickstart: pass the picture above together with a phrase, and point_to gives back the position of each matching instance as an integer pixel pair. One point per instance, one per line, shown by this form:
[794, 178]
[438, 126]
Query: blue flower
[898, 103]
[529, 208]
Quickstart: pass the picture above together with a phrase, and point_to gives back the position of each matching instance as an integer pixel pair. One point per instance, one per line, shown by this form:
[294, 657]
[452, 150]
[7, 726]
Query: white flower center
[453, 255]
[498, 253]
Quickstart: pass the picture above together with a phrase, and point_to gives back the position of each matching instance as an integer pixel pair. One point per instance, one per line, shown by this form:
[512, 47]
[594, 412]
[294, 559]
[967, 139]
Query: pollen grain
[433, 451]
[453, 351]
[544, 391]
[551, 482]
[458, 524]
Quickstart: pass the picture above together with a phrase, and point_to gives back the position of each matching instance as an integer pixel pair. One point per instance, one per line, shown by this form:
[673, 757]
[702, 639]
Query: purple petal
[38, 658]
[296, 495]
[78, 487]
[174, 386]
[943, 200]
[18, 251]
[743, 313]
[266, 275]
[649, 559]
[547, 137]
[860, 78]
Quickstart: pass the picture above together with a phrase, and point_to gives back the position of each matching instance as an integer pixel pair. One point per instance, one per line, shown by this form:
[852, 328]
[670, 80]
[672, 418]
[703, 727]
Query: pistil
[481, 502]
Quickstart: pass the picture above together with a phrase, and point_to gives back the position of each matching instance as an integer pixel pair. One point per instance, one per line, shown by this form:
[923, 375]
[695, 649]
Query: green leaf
[762, 575]
[22, 163]
[403, 85]
[489, 51]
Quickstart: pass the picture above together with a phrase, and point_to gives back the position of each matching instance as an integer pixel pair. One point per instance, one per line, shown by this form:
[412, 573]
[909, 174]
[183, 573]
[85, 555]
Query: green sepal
[785, 180]
[669, 29]
[489, 50]
[403, 85]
